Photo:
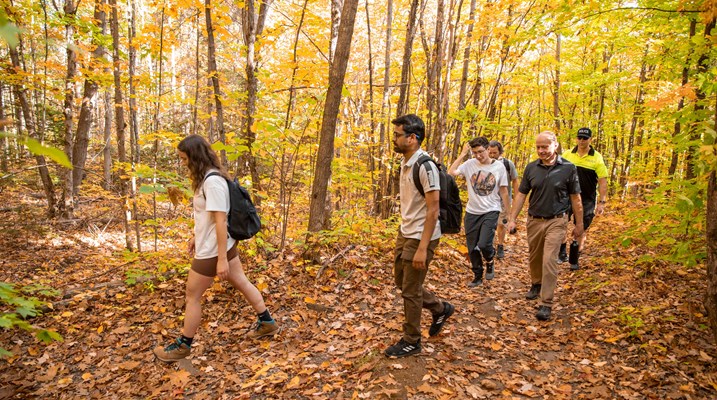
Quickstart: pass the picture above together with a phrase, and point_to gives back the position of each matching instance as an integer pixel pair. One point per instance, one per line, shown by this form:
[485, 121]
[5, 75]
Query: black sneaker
[403, 349]
[500, 254]
[534, 291]
[574, 267]
[477, 281]
[440, 319]
[489, 273]
[543, 313]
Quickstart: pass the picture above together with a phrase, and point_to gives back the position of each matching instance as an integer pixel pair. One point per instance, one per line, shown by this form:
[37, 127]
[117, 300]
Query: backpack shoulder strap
[507, 166]
[416, 169]
[205, 178]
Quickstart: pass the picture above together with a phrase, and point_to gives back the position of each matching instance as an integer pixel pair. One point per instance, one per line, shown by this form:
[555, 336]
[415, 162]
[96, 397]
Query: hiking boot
[500, 254]
[534, 291]
[489, 273]
[260, 329]
[403, 349]
[174, 352]
[477, 281]
[440, 319]
[543, 313]
[574, 267]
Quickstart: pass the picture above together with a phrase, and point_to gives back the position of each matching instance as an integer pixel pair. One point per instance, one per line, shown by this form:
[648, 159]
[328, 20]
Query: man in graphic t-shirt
[487, 182]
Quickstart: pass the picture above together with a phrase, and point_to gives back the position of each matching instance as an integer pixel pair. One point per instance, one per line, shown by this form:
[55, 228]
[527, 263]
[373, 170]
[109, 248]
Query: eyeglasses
[583, 138]
[396, 135]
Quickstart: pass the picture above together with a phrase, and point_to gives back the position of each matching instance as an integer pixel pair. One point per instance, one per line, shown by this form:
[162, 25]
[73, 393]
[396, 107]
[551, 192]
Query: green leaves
[24, 307]
[40, 149]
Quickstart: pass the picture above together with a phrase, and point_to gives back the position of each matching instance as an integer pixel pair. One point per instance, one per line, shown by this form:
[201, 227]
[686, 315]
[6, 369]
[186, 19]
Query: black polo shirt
[549, 187]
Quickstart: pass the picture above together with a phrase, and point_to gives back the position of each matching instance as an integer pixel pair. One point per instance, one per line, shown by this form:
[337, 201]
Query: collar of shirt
[409, 163]
[591, 152]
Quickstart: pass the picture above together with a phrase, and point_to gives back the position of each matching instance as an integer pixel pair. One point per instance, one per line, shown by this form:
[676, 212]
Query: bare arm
[602, 190]
[515, 183]
[503, 191]
[577, 205]
[432, 204]
[220, 221]
[453, 170]
[518, 202]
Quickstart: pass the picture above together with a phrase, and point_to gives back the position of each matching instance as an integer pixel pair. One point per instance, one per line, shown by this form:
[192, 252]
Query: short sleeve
[573, 181]
[513, 171]
[601, 169]
[216, 192]
[525, 182]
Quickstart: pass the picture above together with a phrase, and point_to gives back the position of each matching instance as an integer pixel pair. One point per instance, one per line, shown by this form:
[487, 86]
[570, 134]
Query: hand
[511, 227]
[191, 247]
[600, 208]
[578, 232]
[223, 269]
[466, 149]
[419, 259]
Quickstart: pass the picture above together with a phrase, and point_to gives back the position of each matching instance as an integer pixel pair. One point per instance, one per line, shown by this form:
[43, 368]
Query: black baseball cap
[585, 133]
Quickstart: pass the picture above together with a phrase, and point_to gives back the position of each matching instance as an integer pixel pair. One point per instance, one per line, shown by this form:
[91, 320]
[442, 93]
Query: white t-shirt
[413, 205]
[483, 183]
[212, 196]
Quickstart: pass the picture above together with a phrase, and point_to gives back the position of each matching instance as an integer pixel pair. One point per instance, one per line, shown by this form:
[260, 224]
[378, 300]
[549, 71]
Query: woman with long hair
[213, 249]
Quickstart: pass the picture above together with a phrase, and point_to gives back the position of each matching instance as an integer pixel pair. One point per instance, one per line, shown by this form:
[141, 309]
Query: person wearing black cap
[552, 183]
[417, 238]
[592, 174]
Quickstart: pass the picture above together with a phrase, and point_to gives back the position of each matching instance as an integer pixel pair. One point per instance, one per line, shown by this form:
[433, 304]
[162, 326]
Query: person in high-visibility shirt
[592, 174]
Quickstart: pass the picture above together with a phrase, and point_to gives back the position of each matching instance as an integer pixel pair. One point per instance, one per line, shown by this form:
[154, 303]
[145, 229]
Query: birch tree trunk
[405, 85]
[464, 79]
[383, 192]
[67, 204]
[319, 215]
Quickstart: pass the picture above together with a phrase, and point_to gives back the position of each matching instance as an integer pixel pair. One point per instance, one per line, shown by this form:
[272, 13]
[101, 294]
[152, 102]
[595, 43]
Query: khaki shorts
[208, 266]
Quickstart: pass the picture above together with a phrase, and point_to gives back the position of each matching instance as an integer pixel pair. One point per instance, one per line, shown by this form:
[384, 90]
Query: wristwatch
[602, 201]
[505, 221]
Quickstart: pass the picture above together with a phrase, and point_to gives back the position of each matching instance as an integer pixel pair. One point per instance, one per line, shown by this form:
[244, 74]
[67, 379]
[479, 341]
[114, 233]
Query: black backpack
[242, 221]
[451, 207]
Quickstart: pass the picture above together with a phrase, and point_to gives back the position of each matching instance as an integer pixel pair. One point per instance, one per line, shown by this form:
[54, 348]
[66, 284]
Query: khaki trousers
[410, 281]
[544, 239]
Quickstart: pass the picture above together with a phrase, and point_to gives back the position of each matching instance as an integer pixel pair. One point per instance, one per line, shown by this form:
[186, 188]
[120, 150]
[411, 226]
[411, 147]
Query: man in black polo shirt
[553, 185]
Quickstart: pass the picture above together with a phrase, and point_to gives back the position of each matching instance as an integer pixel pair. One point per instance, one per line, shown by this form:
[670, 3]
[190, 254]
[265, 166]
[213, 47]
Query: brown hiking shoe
[260, 329]
[174, 352]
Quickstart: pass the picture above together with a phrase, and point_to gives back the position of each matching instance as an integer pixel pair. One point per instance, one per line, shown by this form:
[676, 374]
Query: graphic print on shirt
[483, 183]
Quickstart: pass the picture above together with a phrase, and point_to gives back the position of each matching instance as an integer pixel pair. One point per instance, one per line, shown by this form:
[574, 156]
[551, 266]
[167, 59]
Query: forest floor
[625, 326]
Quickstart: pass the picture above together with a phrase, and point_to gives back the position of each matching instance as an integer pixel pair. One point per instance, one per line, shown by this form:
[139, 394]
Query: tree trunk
[556, 86]
[22, 97]
[67, 203]
[383, 192]
[636, 118]
[710, 301]
[336, 6]
[84, 123]
[678, 127]
[214, 76]
[133, 125]
[253, 26]
[403, 99]
[107, 140]
[3, 139]
[372, 156]
[319, 217]
[119, 119]
[702, 66]
[464, 81]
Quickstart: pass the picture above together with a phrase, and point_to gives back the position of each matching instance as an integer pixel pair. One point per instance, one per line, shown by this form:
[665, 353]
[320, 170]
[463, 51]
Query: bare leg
[239, 280]
[197, 284]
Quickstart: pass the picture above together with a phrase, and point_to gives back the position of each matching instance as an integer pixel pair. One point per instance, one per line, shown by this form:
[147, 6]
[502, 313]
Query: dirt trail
[618, 331]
